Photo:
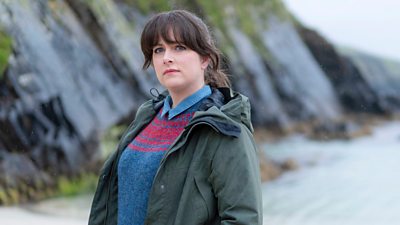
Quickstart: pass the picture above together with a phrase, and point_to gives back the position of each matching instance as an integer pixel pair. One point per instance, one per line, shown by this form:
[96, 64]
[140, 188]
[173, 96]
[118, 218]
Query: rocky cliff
[70, 69]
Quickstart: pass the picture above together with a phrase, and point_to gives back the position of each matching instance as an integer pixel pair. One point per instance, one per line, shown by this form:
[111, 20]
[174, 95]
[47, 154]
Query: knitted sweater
[139, 162]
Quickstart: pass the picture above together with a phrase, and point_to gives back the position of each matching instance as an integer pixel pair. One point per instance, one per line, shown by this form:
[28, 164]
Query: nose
[167, 57]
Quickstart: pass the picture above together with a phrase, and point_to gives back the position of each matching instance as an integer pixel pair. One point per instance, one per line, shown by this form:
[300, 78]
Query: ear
[204, 62]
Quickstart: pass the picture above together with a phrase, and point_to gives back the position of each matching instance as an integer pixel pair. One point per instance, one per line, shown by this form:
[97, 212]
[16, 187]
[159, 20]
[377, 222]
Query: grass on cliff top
[147, 6]
[248, 15]
[5, 51]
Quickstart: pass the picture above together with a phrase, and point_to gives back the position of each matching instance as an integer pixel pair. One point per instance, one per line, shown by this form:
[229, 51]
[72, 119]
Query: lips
[170, 71]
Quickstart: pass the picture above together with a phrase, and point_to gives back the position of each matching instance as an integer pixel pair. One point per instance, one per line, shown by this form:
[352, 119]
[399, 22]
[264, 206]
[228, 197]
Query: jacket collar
[223, 110]
[218, 98]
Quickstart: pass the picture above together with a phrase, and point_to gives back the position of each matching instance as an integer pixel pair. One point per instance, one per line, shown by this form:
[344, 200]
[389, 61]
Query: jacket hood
[224, 110]
[238, 108]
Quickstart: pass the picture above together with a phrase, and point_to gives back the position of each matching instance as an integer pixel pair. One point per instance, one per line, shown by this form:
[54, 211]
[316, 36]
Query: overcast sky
[372, 26]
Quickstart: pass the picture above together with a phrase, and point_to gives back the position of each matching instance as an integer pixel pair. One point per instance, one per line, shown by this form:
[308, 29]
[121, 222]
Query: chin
[173, 87]
[176, 87]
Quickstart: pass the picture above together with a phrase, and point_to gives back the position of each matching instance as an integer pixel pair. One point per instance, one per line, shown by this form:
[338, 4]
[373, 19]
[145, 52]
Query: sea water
[341, 182]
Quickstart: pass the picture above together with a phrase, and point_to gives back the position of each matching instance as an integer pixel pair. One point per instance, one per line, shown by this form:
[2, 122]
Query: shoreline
[20, 216]
[75, 210]
[55, 211]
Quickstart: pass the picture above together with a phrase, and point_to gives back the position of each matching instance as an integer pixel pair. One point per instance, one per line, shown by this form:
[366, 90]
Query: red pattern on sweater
[160, 133]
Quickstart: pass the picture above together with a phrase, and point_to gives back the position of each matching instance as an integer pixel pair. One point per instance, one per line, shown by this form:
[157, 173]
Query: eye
[158, 50]
[180, 48]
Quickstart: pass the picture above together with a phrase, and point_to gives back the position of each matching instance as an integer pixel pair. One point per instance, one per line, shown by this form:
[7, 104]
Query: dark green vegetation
[5, 51]
[85, 183]
[147, 6]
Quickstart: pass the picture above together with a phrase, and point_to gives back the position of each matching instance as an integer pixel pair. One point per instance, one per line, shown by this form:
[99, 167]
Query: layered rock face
[58, 94]
[75, 70]
[363, 83]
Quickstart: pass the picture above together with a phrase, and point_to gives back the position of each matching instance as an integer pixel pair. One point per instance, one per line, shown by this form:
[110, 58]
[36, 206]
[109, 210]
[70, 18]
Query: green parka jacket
[209, 175]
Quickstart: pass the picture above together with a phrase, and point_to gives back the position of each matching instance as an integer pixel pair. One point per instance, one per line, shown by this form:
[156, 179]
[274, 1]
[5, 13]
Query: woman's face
[178, 68]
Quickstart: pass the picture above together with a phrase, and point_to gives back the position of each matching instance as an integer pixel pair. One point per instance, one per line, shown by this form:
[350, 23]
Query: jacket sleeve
[235, 178]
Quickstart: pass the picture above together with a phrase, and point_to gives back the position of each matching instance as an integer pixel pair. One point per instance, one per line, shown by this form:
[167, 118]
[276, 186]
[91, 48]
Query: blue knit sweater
[140, 160]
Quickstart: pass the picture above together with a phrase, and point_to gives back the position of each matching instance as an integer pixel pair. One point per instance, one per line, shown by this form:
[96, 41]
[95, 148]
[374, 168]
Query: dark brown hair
[189, 30]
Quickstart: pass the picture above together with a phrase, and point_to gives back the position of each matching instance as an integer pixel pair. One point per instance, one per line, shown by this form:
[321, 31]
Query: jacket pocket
[204, 200]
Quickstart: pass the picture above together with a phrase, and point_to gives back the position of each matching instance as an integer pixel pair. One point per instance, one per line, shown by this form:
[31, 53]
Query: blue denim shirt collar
[185, 104]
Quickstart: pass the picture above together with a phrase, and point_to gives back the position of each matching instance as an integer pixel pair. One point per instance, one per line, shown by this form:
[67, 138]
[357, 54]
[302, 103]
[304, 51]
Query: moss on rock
[5, 51]
[73, 186]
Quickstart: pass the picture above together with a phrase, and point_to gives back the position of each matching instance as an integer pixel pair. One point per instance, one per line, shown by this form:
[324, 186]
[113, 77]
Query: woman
[189, 156]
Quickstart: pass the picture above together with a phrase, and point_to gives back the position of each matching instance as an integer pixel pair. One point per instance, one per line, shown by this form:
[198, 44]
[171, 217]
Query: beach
[57, 211]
